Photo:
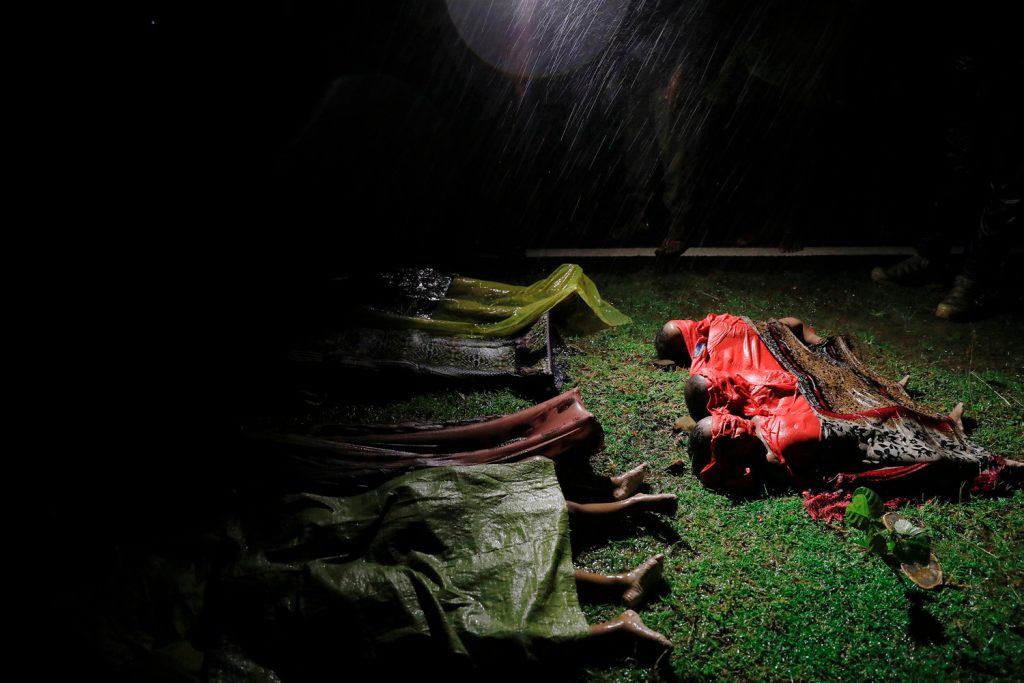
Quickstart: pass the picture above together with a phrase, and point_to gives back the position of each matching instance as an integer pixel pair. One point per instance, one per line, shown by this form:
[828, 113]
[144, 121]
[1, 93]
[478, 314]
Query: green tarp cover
[495, 309]
[470, 561]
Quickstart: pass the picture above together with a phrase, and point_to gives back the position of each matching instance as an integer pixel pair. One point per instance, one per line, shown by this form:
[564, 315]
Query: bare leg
[665, 503]
[626, 484]
[630, 622]
[636, 582]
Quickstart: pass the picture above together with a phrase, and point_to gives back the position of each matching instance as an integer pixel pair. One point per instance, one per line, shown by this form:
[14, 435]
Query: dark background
[207, 169]
[234, 158]
[313, 138]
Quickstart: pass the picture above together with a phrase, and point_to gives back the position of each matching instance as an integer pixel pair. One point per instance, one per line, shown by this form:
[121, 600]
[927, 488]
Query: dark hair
[695, 392]
[669, 344]
[699, 445]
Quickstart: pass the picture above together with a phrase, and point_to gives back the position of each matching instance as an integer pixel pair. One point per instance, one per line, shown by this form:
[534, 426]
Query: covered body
[345, 459]
[817, 408]
[442, 565]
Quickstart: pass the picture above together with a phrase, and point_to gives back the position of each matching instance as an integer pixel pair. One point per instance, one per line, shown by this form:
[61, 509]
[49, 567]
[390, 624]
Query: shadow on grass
[588, 533]
[614, 651]
[946, 481]
[924, 628]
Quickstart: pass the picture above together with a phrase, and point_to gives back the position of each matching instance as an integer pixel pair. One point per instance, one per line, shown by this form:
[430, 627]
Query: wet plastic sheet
[495, 309]
[470, 561]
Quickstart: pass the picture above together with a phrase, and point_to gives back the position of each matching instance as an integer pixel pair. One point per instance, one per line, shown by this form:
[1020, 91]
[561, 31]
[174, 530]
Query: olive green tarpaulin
[496, 309]
[469, 561]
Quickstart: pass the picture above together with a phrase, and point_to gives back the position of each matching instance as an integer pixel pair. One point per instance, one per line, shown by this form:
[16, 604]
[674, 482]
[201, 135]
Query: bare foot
[631, 622]
[628, 483]
[642, 579]
[663, 503]
[957, 414]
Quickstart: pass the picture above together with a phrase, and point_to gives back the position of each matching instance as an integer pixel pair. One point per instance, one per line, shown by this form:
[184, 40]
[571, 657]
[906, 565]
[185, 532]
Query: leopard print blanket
[857, 407]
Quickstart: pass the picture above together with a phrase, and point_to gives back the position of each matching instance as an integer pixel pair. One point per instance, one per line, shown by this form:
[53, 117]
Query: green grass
[757, 590]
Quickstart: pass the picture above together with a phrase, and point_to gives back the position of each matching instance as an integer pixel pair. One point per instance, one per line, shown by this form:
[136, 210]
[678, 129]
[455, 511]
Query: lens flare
[535, 38]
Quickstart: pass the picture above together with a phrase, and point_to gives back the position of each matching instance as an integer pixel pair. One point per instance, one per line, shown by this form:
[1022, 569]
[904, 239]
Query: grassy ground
[757, 590]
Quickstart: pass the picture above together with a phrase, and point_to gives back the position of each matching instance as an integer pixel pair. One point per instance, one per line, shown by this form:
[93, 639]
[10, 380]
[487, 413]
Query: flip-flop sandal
[926, 576]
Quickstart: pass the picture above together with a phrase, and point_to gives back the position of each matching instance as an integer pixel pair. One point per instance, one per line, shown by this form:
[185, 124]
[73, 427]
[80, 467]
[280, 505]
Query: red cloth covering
[830, 505]
[745, 381]
[749, 392]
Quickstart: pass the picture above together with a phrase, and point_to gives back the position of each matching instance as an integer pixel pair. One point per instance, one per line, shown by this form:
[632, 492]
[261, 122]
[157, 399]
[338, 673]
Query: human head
[736, 462]
[699, 445]
[669, 344]
[695, 392]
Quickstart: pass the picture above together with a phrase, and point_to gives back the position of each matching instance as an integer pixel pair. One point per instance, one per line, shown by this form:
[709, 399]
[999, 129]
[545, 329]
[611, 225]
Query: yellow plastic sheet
[494, 309]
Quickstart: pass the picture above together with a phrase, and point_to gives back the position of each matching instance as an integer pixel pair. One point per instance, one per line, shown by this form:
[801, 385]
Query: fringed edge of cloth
[830, 505]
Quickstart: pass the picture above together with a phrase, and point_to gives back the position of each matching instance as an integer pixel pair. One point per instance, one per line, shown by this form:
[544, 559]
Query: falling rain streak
[533, 38]
[625, 122]
[581, 79]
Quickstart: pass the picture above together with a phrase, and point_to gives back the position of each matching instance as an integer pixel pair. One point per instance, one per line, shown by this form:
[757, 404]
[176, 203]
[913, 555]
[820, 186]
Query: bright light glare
[535, 38]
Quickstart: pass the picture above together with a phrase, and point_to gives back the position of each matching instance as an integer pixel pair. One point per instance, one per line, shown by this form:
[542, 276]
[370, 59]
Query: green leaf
[865, 506]
[876, 544]
[859, 505]
[872, 501]
[857, 520]
[914, 549]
